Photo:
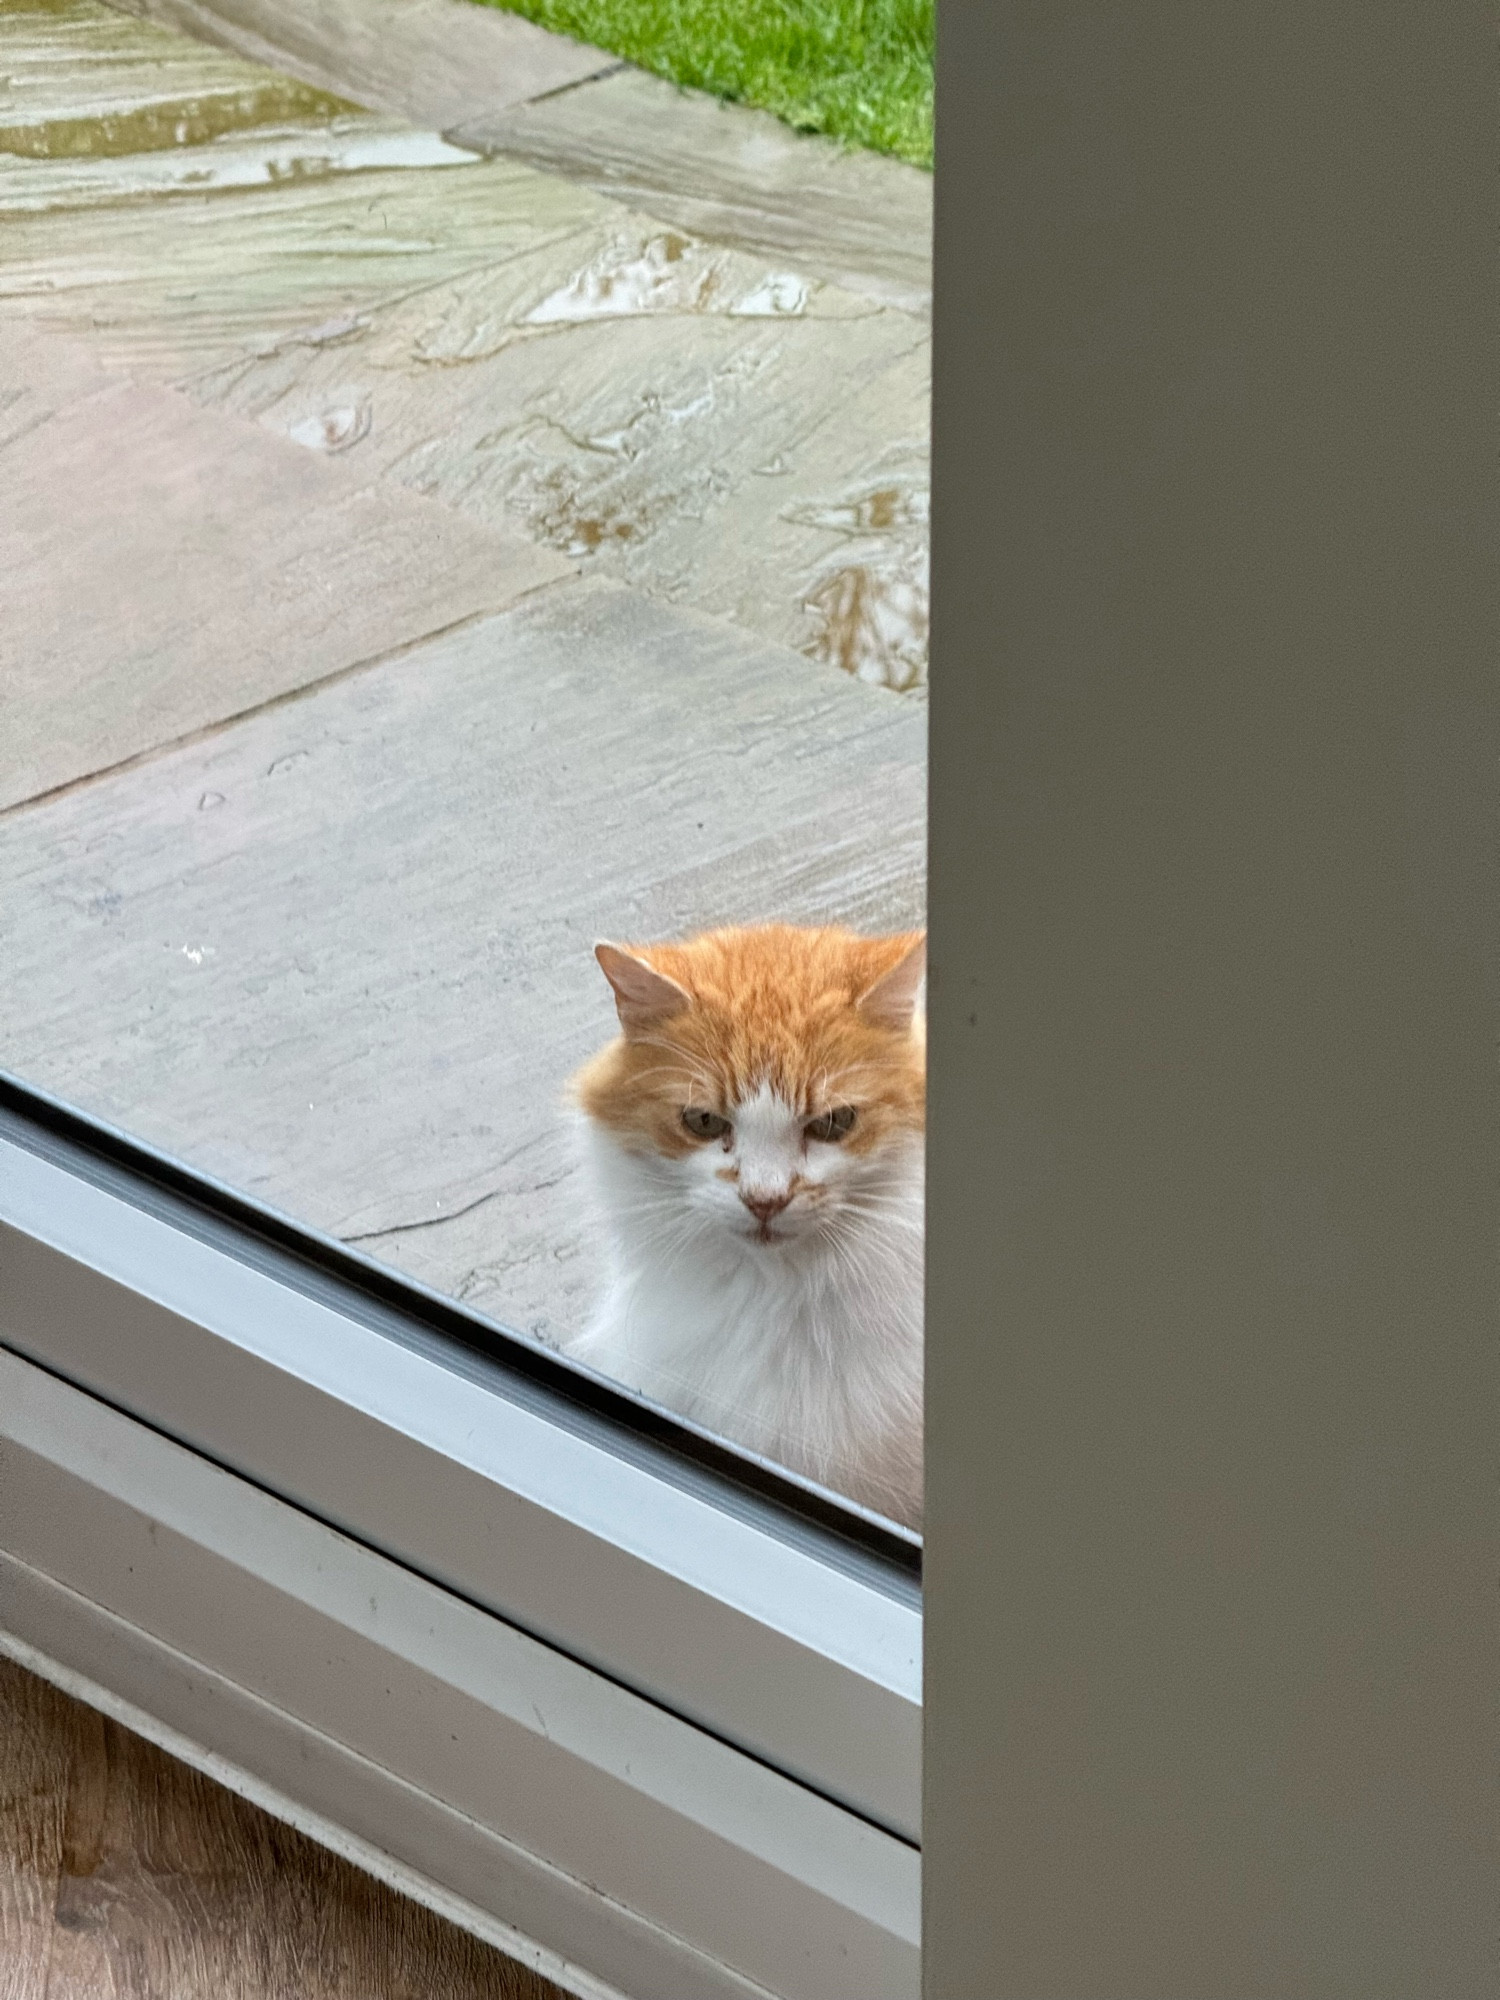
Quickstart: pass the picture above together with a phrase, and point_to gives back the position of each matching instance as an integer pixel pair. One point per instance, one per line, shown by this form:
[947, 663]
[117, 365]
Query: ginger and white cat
[754, 1138]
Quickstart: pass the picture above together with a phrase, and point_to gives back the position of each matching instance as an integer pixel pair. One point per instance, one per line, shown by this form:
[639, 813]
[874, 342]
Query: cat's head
[769, 1080]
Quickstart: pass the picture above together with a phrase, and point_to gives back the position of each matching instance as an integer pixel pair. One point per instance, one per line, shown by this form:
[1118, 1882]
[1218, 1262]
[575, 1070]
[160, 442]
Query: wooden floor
[124, 1875]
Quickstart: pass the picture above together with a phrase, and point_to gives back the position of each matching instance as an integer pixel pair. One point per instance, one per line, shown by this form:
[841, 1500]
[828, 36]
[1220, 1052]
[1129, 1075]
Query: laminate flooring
[125, 1875]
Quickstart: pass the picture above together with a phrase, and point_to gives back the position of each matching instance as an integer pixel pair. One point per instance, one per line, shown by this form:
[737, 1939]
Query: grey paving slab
[164, 567]
[163, 288]
[718, 428]
[710, 428]
[340, 953]
[435, 62]
[732, 175]
[77, 77]
[493, 81]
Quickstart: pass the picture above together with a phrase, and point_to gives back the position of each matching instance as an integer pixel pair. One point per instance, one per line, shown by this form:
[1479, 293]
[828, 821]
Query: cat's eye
[833, 1125]
[704, 1124]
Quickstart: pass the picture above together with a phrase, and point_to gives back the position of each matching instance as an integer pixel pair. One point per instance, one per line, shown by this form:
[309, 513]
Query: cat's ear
[643, 995]
[892, 1000]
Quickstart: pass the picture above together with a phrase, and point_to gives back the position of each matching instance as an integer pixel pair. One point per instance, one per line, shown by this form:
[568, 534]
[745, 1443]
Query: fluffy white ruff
[807, 1350]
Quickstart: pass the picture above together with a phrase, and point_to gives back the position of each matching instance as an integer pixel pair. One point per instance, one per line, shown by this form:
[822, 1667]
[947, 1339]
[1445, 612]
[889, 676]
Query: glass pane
[464, 500]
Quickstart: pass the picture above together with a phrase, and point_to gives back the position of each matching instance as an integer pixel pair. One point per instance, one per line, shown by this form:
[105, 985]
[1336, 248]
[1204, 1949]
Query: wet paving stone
[322, 767]
[676, 415]
[167, 288]
[733, 176]
[718, 428]
[167, 568]
[79, 79]
[341, 954]
[436, 63]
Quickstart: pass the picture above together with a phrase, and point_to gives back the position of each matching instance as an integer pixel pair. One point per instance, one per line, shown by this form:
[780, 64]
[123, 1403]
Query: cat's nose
[764, 1206]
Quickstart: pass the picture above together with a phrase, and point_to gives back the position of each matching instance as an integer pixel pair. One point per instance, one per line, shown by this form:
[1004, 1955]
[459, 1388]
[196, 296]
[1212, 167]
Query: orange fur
[773, 1004]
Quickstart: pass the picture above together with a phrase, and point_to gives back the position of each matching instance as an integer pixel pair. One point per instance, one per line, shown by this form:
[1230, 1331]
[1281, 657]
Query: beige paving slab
[167, 287]
[693, 421]
[37, 379]
[340, 954]
[435, 62]
[732, 175]
[164, 567]
[77, 77]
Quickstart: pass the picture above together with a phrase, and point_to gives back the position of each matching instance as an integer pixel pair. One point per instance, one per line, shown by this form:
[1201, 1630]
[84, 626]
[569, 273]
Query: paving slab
[79, 77]
[731, 175]
[435, 62]
[297, 884]
[716, 428]
[340, 954]
[164, 288]
[96, 108]
[711, 429]
[626, 398]
[837, 536]
[492, 81]
[165, 567]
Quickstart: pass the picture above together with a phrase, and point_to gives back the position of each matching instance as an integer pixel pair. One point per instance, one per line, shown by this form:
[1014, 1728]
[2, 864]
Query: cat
[754, 1143]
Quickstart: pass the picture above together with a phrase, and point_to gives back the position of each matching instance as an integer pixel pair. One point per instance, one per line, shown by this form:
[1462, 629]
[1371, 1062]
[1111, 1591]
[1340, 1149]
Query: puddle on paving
[876, 511]
[337, 427]
[869, 612]
[262, 156]
[670, 273]
[635, 272]
[185, 121]
[581, 525]
[79, 80]
[873, 626]
[779, 295]
[585, 534]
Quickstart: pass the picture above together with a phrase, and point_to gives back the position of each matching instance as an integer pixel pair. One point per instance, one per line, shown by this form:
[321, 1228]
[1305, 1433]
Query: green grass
[859, 70]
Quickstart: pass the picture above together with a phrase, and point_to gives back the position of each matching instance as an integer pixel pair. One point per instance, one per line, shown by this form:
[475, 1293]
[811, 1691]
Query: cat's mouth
[770, 1230]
